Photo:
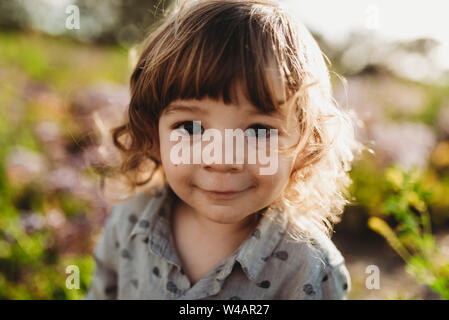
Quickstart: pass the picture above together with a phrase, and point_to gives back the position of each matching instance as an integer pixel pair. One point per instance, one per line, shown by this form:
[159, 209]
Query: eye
[188, 126]
[254, 131]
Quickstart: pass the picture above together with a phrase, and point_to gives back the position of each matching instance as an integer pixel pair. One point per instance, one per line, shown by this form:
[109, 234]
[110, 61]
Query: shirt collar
[252, 253]
[154, 223]
[256, 250]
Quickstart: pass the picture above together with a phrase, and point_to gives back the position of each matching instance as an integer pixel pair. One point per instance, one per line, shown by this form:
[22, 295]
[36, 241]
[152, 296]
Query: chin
[223, 215]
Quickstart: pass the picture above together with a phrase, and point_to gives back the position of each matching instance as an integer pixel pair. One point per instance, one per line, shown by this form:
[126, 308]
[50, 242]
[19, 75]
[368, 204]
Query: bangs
[211, 55]
[223, 54]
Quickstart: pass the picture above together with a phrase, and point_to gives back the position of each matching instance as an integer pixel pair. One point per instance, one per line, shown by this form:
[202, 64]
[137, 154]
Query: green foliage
[32, 268]
[34, 254]
[33, 261]
[406, 200]
[62, 63]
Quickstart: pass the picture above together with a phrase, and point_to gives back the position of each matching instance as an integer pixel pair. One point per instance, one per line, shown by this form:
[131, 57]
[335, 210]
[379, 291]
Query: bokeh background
[61, 89]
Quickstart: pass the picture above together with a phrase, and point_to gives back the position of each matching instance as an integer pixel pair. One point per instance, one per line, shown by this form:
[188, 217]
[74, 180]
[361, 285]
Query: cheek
[276, 181]
[173, 171]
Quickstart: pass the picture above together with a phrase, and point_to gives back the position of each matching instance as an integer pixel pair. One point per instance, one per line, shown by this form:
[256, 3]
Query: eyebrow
[195, 109]
[186, 108]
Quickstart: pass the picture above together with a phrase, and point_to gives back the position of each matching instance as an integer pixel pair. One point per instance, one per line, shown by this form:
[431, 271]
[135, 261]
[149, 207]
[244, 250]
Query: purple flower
[23, 165]
[32, 221]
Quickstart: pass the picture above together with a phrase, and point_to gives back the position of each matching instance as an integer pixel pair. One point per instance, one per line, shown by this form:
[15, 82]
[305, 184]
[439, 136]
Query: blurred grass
[39, 75]
[32, 266]
[62, 63]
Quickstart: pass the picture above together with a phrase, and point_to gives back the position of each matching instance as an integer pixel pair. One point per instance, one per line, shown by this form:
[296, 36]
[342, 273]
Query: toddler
[218, 229]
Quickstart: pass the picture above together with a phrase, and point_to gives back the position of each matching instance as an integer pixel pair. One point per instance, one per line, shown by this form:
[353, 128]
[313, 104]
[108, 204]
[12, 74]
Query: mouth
[222, 194]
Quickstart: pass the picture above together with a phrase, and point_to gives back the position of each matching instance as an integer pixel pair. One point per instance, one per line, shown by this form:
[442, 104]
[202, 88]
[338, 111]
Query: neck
[215, 230]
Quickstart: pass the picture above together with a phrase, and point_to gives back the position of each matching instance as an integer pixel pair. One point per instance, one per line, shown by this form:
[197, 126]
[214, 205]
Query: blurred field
[57, 97]
[51, 208]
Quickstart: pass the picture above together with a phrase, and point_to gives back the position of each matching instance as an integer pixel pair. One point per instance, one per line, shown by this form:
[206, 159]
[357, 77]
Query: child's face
[191, 182]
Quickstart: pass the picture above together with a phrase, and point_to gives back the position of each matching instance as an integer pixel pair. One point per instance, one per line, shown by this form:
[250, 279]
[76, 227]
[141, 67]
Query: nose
[231, 160]
[224, 168]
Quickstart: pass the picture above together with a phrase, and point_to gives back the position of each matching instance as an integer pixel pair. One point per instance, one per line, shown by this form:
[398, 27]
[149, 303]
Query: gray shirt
[136, 259]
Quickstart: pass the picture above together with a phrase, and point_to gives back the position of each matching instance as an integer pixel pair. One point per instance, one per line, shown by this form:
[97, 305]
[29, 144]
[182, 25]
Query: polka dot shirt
[136, 259]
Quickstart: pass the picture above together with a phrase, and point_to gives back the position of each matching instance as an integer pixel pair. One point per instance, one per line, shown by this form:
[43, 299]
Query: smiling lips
[226, 194]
